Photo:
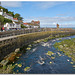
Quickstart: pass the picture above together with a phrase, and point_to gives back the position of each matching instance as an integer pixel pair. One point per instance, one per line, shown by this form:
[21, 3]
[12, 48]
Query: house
[8, 16]
[32, 24]
[14, 25]
[27, 25]
[15, 19]
[35, 22]
[1, 12]
[17, 25]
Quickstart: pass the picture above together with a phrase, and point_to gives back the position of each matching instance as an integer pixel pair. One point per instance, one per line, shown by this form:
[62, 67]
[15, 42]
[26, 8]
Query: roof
[15, 18]
[17, 22]
[35, 21]
[25, 23]
[9, 14]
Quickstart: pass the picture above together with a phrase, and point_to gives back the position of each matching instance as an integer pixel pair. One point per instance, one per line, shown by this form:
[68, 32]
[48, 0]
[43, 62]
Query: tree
[22, 26]
[7, 20]
[4, 9]
[17, 15]
[20, 18]
[1, 19]
[12, 13]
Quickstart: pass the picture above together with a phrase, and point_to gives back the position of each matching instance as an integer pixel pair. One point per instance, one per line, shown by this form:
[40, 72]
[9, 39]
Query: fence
[25, 31]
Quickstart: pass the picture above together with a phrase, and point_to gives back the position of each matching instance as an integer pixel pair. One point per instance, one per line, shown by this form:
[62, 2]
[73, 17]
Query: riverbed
[40, 63]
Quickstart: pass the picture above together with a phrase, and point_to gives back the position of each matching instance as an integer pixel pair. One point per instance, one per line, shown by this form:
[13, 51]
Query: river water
[39, 62]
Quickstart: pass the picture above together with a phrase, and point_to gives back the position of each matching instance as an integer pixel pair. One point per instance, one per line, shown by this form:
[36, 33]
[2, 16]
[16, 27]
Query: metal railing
[31, 30]
[19, 32]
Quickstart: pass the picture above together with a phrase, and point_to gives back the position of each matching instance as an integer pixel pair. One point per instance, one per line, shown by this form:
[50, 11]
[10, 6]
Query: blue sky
[49, 13]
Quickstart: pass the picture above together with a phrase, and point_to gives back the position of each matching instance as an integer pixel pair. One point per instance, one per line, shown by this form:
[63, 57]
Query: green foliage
[49, 53]
[45, 40]
[18, 16]
[1, 19]
[27, 68]
[22, 26]
[12, 13]
[7, 20]
[4, 9]
[4, 20]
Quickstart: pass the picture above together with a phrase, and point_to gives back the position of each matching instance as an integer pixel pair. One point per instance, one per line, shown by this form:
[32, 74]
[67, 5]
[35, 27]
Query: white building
[30, 26]
[17, 24]
[15, 20]
[13, 25]
[8, 16]
[1, 12]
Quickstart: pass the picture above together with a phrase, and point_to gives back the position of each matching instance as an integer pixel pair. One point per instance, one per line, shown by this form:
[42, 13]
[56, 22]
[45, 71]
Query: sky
[49, 13]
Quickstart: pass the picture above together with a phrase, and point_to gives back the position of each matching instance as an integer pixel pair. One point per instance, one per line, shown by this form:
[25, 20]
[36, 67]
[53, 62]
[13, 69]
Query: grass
[67, 47]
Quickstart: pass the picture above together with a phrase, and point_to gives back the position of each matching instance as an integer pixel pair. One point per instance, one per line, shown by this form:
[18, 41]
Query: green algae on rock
[49, 53]
[26, 69]
[67, 47]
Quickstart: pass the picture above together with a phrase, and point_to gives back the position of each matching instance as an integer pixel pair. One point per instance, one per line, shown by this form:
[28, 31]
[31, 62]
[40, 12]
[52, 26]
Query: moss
[52, 57]
[19, 65]
[50, 62]
[68, 47]
[46, 40]
[49, 53]
[28, 48]
[26, 69]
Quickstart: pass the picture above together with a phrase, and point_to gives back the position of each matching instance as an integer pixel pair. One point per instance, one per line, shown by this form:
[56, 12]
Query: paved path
[10, 37]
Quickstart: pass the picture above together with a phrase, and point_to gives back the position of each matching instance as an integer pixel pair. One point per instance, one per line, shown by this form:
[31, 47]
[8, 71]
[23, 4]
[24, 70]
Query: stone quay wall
[19, 41]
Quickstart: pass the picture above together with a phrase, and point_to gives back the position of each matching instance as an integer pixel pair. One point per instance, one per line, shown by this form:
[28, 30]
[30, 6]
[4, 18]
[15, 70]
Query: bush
[7, 20]
[22, 26]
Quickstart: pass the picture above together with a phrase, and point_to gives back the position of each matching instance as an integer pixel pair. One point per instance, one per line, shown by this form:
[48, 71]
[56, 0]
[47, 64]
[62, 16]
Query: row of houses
[16, 24]
[32, 24]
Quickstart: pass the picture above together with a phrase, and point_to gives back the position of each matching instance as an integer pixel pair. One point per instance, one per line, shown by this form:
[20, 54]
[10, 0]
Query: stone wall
[22, 40]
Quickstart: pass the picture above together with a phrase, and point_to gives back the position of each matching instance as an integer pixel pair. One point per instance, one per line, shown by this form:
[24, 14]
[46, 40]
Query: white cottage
[8, 16]
[13, 25]
[1, 12]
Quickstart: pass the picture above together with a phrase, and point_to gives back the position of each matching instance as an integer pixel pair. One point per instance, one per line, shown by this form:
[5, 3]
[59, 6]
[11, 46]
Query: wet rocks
[49, 53]
[27, 69]
[4, 62]
[17, 50]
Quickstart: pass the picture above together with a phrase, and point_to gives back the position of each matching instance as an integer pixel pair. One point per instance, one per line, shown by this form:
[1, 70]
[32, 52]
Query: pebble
[68, 60]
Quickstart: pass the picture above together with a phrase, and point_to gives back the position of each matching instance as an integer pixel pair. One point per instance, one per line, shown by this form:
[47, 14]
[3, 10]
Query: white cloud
[49, 4]
[11, 3]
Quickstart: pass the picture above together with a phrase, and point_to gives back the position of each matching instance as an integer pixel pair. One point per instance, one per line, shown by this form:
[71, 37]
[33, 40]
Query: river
[39, 62]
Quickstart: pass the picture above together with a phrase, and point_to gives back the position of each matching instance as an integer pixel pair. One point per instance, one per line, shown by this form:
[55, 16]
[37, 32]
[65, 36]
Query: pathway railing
[32, 30]
[19, 32]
